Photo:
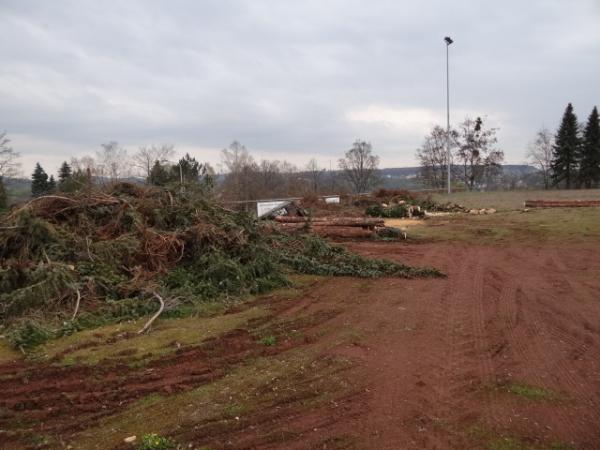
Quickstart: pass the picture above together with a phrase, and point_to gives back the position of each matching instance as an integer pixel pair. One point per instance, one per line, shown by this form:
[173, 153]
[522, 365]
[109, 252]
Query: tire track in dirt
[489, 331]
[487, 371]
[522, 347]
[466, 363]
[542, 356]
[525, 328]
[404, 366]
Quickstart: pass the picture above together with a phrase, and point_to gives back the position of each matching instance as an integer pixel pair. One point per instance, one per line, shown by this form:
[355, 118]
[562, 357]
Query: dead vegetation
[69, 262]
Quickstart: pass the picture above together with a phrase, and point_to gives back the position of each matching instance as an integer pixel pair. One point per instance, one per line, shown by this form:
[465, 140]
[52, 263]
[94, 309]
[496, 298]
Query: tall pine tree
[39, 181]
[566, 150]
[64, 173]
[589, 172]
[51, 184]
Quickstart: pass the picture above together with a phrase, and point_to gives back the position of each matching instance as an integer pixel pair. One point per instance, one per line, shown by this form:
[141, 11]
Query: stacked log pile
[561, 203]
[343, 227]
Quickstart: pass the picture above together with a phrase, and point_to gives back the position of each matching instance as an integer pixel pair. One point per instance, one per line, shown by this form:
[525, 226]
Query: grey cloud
[284, 76]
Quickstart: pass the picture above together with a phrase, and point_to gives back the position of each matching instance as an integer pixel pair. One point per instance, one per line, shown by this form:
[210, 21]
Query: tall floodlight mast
[448, 41]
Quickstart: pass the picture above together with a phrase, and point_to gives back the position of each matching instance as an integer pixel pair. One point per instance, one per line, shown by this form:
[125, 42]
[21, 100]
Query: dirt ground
[504, 353]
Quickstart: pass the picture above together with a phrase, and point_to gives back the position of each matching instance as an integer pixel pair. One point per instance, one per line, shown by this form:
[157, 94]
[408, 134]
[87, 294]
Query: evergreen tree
[160, 175]
[589, 172]
[51, 184]
[3, 196]
[566, 150]
[39, 181]
[187, 169]
[64, 173]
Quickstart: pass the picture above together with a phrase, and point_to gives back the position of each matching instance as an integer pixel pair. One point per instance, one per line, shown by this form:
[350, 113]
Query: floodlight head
[448, 40]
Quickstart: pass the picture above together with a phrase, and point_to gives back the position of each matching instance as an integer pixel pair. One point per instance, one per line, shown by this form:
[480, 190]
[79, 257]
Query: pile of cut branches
[75, 261]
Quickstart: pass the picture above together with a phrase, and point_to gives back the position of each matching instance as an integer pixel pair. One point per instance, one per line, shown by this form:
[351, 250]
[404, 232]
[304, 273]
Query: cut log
[292, 226]
[561, 203]
[342, 232]
[333, 222]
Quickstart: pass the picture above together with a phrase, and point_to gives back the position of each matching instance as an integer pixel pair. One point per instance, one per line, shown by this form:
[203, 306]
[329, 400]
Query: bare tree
[315, 174]
[539, 154]
[111, 161]
[241, 170]
[146, 156]
[84, 164]
[360, 167]
[9, 164]
[476, 153]
[433, 157]
[270, 178]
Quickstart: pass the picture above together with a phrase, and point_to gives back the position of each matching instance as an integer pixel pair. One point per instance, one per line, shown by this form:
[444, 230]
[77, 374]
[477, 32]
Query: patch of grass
[560, 446]
[511, 200]
[234, 410]
[493, 441]
[7, 353]
[121, 340]
[268, 340]
[531, 392]
[509, 443]
[153, 441]
[351, 336]
[539, 225]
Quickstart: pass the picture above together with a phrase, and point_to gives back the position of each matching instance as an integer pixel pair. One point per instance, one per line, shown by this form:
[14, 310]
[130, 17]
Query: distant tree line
[241, 177]
[569, 158]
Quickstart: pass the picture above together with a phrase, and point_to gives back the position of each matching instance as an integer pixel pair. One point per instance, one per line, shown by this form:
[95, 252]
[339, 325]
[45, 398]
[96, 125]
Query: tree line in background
[243, 177]
[568, 159]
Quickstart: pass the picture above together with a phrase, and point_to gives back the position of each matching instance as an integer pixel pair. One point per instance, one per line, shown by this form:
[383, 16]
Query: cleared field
[503, 354]
[511, 200]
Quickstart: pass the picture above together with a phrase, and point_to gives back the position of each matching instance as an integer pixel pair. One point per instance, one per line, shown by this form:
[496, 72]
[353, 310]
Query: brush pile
[391, 203]
[75, 261]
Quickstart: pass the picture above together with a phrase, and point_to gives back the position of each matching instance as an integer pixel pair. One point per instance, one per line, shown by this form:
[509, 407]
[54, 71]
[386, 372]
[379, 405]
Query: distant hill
[412, 172]
[407, 177]
[17, 189]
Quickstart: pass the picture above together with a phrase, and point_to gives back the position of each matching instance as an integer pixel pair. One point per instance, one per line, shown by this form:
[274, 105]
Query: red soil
[444, 349]
[433, 358]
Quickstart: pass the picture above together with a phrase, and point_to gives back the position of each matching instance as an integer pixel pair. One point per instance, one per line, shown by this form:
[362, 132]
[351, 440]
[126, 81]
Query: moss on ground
[121, 341]
[492, 440]
[298, 379]
[531, 392]
[7, 353]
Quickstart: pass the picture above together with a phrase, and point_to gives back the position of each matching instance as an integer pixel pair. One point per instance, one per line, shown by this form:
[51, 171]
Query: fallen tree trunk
[332, 222]
[293, 226]
[342, 232]
[561, 203]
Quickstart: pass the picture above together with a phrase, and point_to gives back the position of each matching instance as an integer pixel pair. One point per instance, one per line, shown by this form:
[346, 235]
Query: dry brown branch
[155, 316]
[76, 305]
[87, 244]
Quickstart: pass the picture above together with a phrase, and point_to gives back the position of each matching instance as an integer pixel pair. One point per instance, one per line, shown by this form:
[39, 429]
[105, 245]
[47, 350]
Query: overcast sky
[288, 79]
